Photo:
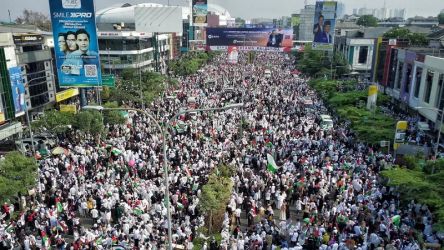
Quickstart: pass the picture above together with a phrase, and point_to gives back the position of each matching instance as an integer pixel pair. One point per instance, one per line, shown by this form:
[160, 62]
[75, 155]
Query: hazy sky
[244, 8]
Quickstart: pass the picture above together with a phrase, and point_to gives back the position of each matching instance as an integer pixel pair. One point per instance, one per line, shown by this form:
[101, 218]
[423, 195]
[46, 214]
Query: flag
[270, 144]
[137, 212]
[271, 165]
[179, 205]
[187, 170]
[396, 220]
[99, 241]
[59, 207]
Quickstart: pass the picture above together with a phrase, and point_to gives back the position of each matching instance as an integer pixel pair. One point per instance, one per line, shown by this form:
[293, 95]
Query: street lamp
[164, 132]
[438, 111]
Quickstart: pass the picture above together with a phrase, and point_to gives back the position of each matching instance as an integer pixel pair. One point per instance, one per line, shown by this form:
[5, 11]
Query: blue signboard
[75, 42]
[18, 90]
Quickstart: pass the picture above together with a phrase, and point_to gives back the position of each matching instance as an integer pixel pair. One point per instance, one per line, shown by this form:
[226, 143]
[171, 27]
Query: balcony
[34, 56]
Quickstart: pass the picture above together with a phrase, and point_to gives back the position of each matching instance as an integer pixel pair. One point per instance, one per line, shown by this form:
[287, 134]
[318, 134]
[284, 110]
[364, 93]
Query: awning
[423, 126]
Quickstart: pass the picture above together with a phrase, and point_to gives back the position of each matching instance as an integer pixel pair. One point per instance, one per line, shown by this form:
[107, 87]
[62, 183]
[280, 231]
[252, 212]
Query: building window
[32, 48]
[418, 78]
[363, 54]
[409, 78]
[440, 100]
[428, 87]
[399, 75]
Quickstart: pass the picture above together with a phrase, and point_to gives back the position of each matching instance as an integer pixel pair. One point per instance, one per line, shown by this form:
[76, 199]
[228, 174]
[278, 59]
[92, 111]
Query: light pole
[439, 112]
[164, 132]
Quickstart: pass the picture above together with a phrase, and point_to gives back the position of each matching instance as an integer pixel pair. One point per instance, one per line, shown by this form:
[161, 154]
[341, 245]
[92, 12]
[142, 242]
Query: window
[418, 78]
[394, 65]
[440, 100]
[428, 87]
[409, 78]
[32, 48]
[363, 54]
[399, 75]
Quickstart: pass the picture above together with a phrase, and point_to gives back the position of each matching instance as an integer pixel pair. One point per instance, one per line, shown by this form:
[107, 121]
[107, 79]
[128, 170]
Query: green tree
[89, 122]
[415, 184]
[17, 175]
[367, 21]
[113, 117]
[215, 196]
[34, 18]
[441, 18]
[239, 22]
[54, 121]
[416, 39]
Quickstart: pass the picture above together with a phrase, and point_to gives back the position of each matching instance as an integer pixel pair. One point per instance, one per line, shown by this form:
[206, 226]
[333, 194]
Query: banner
[324, 28]
[233, 54]
[18, 90]
[75, 42]
[372, 97]
[66, 94]
[401, 128]
[200, 11]
[70, 108]
[197, 45]
[250, 38]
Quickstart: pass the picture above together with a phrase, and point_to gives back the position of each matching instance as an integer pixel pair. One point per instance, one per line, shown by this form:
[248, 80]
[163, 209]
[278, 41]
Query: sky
[242, 8]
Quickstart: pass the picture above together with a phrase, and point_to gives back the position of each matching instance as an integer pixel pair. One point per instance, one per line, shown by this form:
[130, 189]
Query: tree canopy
[315, 63]
[441, 18]
[416, 39]
[18, 174]
[418, 183]
[34, 18]
[367, 21]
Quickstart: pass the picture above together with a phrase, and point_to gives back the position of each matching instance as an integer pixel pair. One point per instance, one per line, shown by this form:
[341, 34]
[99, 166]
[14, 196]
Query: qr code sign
[91, 70]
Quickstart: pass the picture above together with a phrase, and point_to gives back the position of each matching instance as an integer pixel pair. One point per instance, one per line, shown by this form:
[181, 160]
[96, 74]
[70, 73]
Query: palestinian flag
[396, 220]
[271, 165]
[59, 207]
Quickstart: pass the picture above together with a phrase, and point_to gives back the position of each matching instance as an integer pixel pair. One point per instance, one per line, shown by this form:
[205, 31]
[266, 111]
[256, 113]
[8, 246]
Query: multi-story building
[27, 50]
[340, 10]
[307, 23]
[415, 78]
[121, 47]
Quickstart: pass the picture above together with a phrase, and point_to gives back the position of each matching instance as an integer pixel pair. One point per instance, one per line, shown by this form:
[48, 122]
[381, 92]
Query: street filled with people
[326, 192]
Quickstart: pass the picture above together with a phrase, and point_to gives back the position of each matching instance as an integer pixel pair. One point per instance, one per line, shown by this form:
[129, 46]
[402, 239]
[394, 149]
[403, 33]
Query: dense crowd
[325, 194]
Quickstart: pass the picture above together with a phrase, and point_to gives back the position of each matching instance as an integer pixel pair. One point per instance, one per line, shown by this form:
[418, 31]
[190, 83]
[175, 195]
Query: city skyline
[267, 9]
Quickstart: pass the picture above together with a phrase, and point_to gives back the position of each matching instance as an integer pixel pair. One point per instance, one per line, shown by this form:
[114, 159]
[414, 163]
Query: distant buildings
[381, 13]
[307, 23]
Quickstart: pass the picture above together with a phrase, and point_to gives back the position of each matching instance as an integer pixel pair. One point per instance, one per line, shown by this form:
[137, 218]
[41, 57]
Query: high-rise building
[307, 23]
[340, 11]
[355, 11]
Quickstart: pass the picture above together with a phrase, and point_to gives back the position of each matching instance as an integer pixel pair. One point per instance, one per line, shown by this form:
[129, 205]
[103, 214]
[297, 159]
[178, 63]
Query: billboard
[158, 19]
[324, 25]
[75, 42]
[27, 39]
[197, 45]
[200, 11]
[18, 90]
[260, 39]
[233, 54]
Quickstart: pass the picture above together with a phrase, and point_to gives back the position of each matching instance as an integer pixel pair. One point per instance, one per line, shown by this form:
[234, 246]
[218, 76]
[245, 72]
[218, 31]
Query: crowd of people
[325, 194]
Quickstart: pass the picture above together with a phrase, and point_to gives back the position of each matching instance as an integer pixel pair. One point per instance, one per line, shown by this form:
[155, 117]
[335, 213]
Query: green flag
[271, 165]
[59, 207]
[138, 212]
[396, 220]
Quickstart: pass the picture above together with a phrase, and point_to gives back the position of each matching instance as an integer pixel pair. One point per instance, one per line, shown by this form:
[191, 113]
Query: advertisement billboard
[75, 42]
[200, 11]
[158, 19]
[197, 45]
[324, 25]
[260, 39]
[18, 90]
[233, 54]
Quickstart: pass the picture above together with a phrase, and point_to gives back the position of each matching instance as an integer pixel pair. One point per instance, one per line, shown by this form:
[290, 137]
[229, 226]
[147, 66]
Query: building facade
[29, 52]
[307, 23]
